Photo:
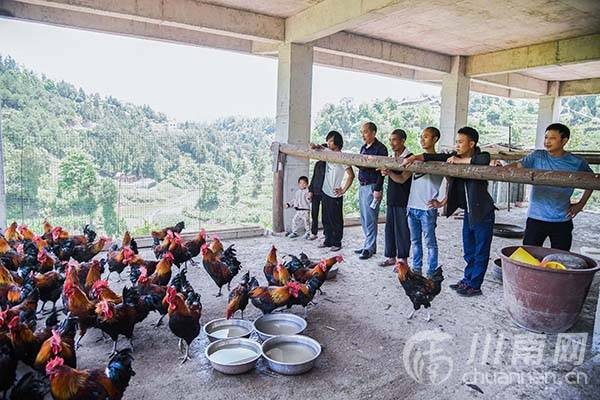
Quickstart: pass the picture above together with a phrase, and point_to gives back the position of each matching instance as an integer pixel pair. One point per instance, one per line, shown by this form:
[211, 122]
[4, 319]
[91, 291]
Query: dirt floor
[361, 323]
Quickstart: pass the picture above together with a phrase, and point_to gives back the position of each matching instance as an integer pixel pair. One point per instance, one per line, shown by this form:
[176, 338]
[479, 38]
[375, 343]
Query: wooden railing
[580, 180]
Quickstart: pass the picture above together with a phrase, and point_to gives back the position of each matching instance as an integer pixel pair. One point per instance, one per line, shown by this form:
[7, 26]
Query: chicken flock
[60, 266]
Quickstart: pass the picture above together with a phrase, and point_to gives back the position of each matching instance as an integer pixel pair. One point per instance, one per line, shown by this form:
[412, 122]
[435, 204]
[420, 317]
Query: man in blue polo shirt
[551, 212]
[369, 194]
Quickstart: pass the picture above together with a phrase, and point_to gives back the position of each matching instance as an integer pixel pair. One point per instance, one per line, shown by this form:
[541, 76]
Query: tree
[76, 184]
[107, 198]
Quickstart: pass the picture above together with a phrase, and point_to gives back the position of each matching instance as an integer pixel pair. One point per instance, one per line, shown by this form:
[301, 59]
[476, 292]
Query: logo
[424, 358]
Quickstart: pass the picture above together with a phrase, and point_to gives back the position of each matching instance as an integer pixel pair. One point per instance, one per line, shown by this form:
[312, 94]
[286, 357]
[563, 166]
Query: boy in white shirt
[301, 204]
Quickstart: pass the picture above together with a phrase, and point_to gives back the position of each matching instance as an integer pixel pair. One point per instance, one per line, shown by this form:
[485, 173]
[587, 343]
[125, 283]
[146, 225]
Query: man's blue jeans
[423, 223]
[368, 217]
[477, 240]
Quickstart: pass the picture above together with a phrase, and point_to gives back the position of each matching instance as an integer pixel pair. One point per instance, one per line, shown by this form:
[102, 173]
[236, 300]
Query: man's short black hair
[337, 139]
[400, 133]
[560, 128]
[303, 178]
[470, 132]
[371, 126]
[434, 131]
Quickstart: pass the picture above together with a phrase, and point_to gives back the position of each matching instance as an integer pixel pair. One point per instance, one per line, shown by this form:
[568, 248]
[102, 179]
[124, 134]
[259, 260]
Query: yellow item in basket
[523, 256]
[552, 265]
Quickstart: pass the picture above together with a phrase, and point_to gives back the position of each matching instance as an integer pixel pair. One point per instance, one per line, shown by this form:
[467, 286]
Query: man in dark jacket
[472, 196]
[315, 194]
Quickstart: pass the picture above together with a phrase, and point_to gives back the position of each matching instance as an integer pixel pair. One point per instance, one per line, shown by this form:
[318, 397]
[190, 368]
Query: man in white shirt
[334, 188]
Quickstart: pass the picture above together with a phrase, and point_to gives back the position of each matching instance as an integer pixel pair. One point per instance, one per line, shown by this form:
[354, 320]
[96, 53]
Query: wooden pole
[592, 158]
[2, 181]
[580, 180]
[278, 174]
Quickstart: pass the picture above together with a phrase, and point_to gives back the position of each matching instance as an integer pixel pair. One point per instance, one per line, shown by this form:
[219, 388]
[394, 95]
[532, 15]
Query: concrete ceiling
[480, 26]
[566, 72]
[277, 8]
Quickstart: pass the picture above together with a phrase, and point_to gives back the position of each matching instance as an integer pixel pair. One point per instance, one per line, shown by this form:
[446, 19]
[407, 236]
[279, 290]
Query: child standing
[301, 204]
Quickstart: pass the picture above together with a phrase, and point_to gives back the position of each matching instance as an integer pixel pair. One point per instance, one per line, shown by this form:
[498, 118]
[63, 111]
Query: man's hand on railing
[314, 146]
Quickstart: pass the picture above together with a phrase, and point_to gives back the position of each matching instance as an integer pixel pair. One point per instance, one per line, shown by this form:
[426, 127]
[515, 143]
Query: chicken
[420, 290]
[184, 317]
[46, 260]
[29, 387]
[118, 259]
[79, 306]
[238, 297]
[50, 286]
[85, 253]
[25, 232]
[270, 265]
[303, 274]
[27, 343]
[117, 319]
[61, 344]
[195, 245]
[101, 291]
[216, 246]
[160, 235]
[281, 275]
[94, 274]
[152, 294]
[9, 289]
[8, 363]
[27, 307]
[303, 294]
[11, 233]
[136, 263]
[268, 299]
[9, 257]
[162, 274]
[221, 271]
[109, 383]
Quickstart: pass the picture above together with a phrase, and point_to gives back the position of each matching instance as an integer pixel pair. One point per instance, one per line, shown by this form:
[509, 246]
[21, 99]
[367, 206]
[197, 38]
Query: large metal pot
[541, 299]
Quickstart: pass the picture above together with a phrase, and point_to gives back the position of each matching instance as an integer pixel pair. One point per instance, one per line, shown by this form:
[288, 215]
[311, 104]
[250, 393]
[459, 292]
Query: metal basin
[271, 325]
[291, 354]
[332, 272]
[222, 328]
[233, 356]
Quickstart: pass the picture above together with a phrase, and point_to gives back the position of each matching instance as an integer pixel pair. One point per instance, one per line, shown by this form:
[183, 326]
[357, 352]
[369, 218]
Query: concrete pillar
[548, 112]
[455, 102]
[294, 95]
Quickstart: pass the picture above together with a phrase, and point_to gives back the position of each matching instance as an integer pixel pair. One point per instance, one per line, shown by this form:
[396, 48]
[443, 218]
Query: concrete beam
[109, 24]
[500, 91]
[558, 52]
[332, 16]
[352, 45]
[522, 83]
[187, 14]
[579, 87]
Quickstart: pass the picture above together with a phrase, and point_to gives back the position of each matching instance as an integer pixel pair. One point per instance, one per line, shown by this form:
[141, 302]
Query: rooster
[101, 291]
[8, 363]
[184, 317]
[160, 235]
[50, 286]
[420, 290]
[270, 265]
[109, 383]
[221, 271]
[136, 263]
[268, 299]
[79, 306]
[30, 386]
[162, 274]
[303, 274]
[153, 294]
[303, 294]
[46, 260]
[238, 297]
[119, 258]
[94, 274]
[9, 257]
[27, 343]
[61, 344]
[118, 319]
[85, 252]
[281, 275]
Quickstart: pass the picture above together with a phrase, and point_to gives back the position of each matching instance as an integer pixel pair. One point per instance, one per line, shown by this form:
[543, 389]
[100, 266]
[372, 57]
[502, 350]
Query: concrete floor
[361, 323]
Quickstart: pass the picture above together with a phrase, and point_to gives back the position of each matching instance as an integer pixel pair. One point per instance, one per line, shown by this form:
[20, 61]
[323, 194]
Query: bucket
[541, 299]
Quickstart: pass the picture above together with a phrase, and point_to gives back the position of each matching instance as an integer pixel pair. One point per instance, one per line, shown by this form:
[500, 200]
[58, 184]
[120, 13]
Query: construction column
[294, 94]
[455, 102]
[548, 112]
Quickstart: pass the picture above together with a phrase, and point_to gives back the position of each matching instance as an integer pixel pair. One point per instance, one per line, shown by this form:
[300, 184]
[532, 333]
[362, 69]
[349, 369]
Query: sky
[184, 82]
